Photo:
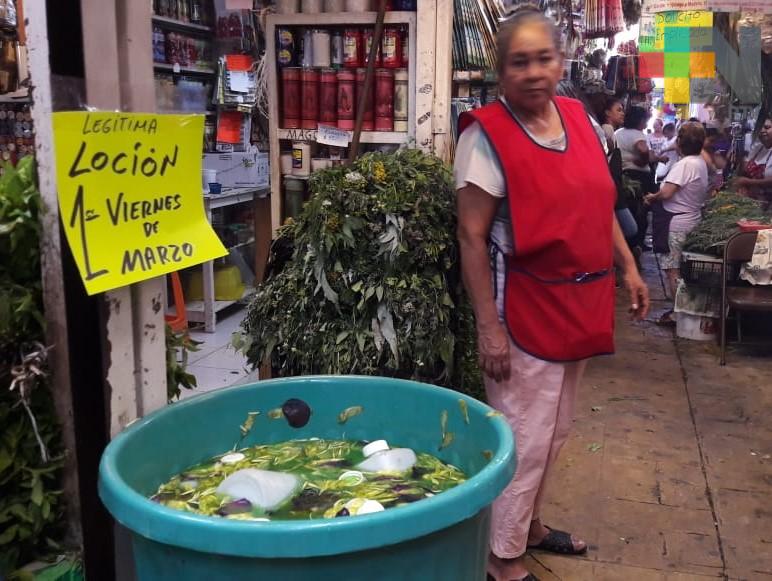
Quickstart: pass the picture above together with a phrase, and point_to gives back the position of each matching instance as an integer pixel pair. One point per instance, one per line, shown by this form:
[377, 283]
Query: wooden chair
[738, 297]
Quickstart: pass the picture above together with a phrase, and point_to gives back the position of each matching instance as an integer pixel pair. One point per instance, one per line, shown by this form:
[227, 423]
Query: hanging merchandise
[287, 6]
[311, 6]
[290, 80]
[391, 49]
[337, 50]
[474, 34]
[309, 86]
[352, 48]
[346, 99]
[384, 100]
[321, 50]
[368, 118]
[328, 97]
[400, 100]
[603, 18]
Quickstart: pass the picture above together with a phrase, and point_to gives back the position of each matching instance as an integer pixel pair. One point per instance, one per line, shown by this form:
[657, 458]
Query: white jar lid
[370, 506]
[232, 458]
[373, 447]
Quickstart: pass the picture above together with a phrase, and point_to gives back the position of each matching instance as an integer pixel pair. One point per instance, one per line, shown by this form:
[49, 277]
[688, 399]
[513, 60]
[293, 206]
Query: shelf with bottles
[190, 15]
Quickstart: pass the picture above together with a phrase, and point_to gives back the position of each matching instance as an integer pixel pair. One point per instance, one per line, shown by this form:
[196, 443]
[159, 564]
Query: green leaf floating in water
[447, 440]
[246, 427]
[275, 414]
[487, 454]
[349, 413]
[464, 410]
[494, 414]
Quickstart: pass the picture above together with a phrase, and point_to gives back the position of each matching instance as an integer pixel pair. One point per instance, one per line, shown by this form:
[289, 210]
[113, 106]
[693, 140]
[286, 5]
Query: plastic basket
[704, 270]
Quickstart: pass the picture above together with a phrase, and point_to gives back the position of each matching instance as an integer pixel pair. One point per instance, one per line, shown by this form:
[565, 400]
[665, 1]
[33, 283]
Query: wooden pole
[362, 100]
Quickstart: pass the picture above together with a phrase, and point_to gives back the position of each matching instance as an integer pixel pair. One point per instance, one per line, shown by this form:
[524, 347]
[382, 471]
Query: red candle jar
[352, 48]
[368, 35]
[391, 48]
[346, 99]
[328, 96]
[368, 119]
[290, 82]
[309, 111]
[405, 45]
[384, 100]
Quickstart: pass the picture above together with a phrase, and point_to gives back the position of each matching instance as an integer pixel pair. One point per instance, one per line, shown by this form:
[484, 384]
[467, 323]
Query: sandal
[558, 542]
[666, 320]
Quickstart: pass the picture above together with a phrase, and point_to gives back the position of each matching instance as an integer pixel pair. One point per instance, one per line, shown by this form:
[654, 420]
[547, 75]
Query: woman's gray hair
[522, 14]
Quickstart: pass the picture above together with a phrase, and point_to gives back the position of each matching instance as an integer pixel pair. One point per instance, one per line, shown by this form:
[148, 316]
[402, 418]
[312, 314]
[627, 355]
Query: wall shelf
[397, 137]
[340, 19]
[166, 67]
[180, 25]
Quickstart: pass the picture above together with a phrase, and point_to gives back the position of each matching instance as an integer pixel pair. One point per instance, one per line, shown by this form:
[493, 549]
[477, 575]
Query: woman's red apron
[559, 294]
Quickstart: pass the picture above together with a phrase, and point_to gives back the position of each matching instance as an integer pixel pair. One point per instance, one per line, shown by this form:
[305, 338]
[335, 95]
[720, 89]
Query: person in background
[715, 157]
[670, 151]
[611, 118]
[657, 141]
[678, 205]
[538, 270]
[756, 180]
[636, 157]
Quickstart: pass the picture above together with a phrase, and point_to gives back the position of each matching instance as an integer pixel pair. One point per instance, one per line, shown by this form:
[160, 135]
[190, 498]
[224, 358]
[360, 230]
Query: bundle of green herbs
[719, 222]
[30, 446]
[373, 282]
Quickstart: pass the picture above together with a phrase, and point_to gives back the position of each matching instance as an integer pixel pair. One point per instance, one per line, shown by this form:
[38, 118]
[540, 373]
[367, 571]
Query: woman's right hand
[493, 350]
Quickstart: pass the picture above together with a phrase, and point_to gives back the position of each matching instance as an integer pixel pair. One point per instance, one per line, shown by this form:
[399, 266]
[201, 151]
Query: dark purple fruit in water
[343, 512]
[297, 412]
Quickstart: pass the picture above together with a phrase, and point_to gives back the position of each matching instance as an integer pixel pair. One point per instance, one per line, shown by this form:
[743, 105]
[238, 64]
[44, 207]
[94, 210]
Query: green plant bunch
[178, 346]
[30, 448]
[719, 222]
[373, 284]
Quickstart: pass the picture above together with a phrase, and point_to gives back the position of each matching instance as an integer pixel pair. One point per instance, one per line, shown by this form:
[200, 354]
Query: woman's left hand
[639, 294]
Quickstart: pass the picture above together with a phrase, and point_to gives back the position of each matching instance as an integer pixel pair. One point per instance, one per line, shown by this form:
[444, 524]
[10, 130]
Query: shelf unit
[166, 67]
[180, 25]
[333, 20]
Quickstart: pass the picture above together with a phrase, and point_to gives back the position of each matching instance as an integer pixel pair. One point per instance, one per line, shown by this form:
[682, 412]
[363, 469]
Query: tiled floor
[217, 364]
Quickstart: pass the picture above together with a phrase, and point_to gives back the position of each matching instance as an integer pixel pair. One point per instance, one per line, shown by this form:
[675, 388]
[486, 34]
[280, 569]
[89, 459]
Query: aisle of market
[667, 473]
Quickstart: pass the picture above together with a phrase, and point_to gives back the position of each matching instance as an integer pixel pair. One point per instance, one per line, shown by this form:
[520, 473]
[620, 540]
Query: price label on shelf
[130, 195]
[328, 135]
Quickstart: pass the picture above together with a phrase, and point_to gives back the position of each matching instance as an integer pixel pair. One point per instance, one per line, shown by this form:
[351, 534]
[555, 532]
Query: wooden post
[425, 74]
[362, 100]
[443, 71]
[51, 263]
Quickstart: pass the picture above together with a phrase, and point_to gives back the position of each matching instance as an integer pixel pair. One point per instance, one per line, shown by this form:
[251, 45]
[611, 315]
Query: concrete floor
[668, 474]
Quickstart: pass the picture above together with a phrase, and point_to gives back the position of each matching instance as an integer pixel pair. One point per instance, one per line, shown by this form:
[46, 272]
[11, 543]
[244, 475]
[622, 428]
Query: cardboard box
[239, 170]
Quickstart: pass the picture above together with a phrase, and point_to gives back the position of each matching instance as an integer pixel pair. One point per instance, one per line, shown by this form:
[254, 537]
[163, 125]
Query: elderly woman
[757, 170]
[682, 196]
[538, 244]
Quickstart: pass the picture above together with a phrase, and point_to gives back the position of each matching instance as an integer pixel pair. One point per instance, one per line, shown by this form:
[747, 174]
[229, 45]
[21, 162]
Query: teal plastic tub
[441, 538]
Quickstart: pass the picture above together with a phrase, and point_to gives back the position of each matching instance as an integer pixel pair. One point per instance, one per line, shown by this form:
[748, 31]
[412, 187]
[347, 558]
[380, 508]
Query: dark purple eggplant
[239, 506]
[297, 412]
[343, 512]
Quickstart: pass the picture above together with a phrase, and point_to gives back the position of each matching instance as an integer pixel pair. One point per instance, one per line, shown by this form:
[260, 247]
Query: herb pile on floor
[373, 284]
[719, 222]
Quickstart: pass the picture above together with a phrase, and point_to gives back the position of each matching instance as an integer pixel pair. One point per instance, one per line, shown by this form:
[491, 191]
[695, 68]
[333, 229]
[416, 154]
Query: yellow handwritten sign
[130, 195]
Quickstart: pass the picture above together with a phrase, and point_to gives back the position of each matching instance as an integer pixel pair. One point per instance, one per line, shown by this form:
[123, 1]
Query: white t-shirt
[672, 157]
[626, 140]
[657, 143]
[691, 175]
[760, 155]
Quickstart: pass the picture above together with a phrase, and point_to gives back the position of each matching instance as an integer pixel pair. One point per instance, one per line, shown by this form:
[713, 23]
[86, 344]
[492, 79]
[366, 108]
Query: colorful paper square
[701, 90]
[677, 64]
[651, 64]
[701, 39]
[677, 89]
[702, 65]
[677, 39]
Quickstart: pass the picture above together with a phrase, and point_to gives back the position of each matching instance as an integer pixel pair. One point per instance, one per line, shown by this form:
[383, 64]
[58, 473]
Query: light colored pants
[538, 400]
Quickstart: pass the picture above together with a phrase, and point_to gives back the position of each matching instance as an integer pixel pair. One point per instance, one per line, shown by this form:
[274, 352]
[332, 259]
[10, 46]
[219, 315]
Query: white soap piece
[373, 447]
[263, 488]
[396, 460]
[360, 506]
[352, 477]
[232, 458]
